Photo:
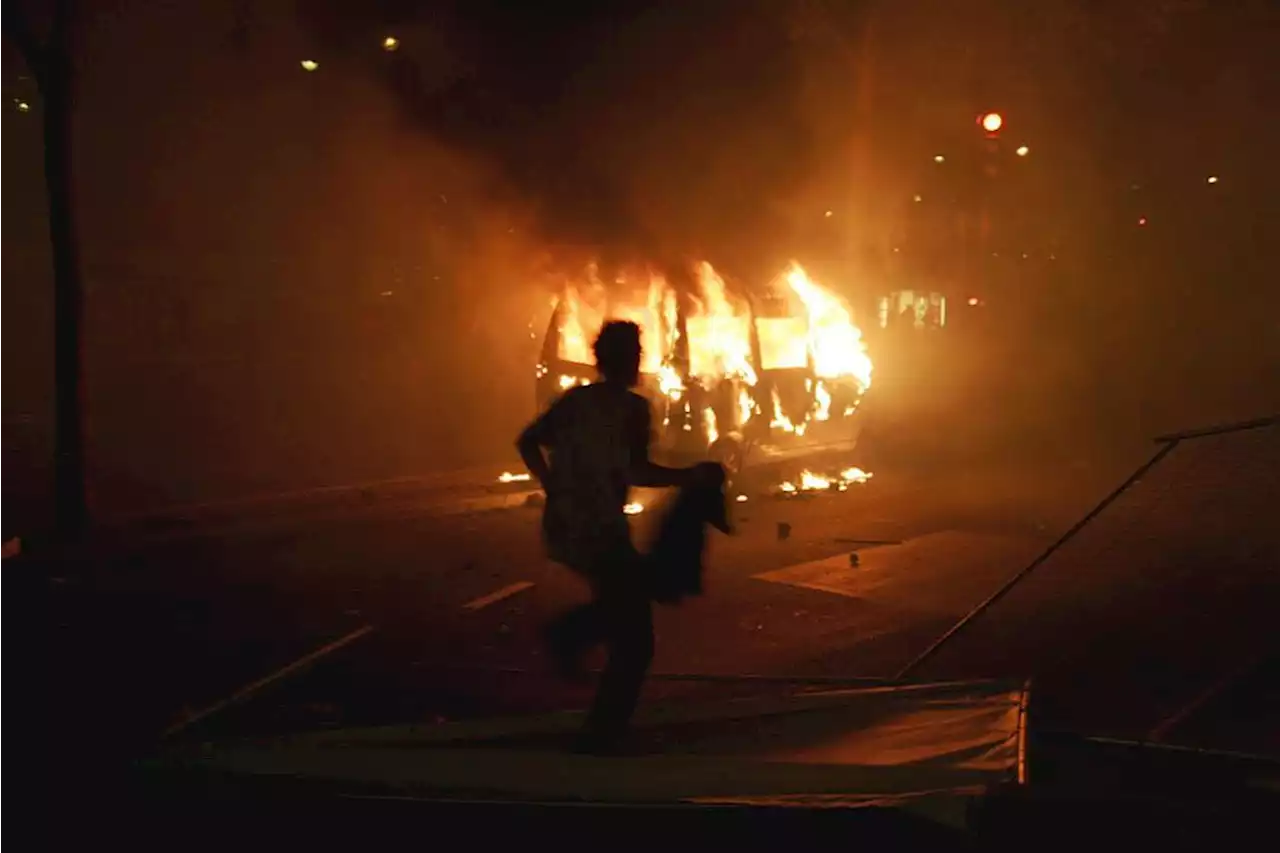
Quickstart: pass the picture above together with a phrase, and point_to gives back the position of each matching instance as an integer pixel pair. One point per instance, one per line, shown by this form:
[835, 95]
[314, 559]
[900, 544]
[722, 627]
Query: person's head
[617, 351]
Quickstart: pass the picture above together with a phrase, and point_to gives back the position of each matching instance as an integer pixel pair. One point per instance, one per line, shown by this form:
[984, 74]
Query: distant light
[1142, 220]
[390, 43]
[508, 477]
[386, 293]
[633, 508]
[1023, 151]
[917, 198]
[310, 65]
[829, 214]
[24, 107]
[992, 122]
[938, 158]
[973, 300]
[1213, 179]
[741, 499]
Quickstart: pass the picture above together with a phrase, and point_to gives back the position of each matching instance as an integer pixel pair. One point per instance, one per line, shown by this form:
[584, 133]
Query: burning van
[740, 378]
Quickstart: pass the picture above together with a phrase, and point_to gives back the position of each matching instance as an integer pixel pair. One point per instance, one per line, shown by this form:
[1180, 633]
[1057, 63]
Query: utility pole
[50, 61]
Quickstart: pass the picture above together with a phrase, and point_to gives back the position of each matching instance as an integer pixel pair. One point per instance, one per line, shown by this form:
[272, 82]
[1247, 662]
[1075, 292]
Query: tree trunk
[70, 492]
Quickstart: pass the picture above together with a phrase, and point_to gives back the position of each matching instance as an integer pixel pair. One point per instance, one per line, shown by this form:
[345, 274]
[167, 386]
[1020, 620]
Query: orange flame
[720, 342]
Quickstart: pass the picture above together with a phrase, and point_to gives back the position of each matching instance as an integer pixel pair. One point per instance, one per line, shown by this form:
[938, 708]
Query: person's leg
[572, 634]
[627, 617]
[569, 637]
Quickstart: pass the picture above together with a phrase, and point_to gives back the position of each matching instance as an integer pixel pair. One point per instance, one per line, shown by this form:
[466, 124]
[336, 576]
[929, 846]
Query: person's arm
[532, 440]
[644, 471]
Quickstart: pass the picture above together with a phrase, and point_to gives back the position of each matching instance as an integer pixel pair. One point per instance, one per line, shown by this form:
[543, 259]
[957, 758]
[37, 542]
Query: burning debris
[508, 477]
[811, 482]
[633, 508]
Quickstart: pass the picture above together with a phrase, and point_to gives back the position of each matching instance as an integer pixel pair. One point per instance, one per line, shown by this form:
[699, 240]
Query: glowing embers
[811, 483]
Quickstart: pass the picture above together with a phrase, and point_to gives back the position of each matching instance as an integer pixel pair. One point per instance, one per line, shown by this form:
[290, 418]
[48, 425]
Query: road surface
[388, 617]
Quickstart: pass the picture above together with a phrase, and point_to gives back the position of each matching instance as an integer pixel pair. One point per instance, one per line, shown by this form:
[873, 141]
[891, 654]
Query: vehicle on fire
[771, 404]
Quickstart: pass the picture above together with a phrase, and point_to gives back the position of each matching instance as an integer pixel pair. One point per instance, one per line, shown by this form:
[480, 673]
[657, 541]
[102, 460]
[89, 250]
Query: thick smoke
[648, 131]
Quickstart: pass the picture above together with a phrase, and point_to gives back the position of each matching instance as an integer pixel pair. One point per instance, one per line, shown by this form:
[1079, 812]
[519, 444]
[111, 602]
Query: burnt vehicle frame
[785, 420]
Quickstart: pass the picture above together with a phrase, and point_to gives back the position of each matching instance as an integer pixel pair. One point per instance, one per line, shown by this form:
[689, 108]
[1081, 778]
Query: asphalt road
[387, 617]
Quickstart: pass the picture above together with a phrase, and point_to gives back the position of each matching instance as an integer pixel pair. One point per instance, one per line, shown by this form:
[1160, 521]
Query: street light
[309, 65]
[938, 158]
[1213, 179]
[1023, 151]
[390, 43]
[992, 122]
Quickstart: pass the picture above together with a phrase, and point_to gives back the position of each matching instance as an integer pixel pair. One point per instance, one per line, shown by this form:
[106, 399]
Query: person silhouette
[598, 438]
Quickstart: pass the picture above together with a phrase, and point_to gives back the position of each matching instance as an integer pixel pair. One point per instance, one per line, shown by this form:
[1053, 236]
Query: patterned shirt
[594, 433]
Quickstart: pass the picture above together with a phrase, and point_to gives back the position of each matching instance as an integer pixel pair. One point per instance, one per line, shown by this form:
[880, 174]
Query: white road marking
[254, 686]
[937, 572]
[833, 575]
[497, 595]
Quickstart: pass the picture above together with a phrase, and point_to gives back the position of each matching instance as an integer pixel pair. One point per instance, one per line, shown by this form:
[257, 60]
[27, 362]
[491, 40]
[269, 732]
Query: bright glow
[991, 122]
[1023, 151]
[508, 477]
[1213, 179]
[829, 214]
[741, 499]
[633, 509]
[310, 65]
[1142, 220]
[938, 158]
[24, 107]
[811, 482]
[818, 330]
[917, 198]
[390, 43]
[973, 300]
[835, 342]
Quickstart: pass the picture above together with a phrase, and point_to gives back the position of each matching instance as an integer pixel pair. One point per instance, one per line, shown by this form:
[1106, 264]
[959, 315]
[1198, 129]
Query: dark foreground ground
[1155, 623]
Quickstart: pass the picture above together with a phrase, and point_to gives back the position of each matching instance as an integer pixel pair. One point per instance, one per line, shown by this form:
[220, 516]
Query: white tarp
[895, 745]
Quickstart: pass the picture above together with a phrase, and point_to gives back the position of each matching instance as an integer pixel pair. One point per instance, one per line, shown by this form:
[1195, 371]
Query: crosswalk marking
[497, 595]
